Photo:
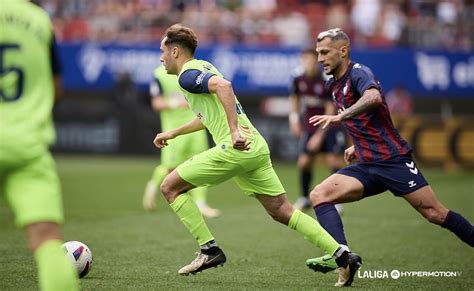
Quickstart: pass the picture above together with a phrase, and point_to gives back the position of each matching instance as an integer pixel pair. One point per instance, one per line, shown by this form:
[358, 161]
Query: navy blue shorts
[334, 142]
[399, 175]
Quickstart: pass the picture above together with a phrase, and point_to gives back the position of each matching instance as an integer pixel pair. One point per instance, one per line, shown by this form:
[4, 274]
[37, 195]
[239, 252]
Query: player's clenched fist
[349, 155]
[240, 143]
[161, 139]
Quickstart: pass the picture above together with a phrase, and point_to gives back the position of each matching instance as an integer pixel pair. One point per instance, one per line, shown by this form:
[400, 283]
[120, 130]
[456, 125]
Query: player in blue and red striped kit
[308, 97]
[384, 158]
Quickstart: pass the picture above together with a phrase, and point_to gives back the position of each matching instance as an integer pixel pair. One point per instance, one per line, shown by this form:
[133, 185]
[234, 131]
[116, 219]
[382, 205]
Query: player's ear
[175, 52]
[344, 51]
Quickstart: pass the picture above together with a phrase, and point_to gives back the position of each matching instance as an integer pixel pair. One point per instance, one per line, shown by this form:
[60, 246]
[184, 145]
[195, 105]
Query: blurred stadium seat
[425, 44]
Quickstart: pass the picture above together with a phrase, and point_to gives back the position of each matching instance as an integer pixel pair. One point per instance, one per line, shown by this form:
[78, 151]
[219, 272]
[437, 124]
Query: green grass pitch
[135, 250]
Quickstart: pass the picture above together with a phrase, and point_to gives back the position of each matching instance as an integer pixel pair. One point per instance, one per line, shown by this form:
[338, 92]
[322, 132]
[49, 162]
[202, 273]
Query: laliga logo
[395, 274]
[92, 60]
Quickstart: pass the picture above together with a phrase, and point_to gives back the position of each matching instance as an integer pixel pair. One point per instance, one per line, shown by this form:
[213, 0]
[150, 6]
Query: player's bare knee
[304, 162]
[319, 195]
[167, 191]
[304, 165]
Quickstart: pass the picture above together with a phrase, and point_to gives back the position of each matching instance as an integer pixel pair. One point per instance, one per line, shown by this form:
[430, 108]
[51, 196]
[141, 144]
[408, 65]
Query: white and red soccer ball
[80, 255]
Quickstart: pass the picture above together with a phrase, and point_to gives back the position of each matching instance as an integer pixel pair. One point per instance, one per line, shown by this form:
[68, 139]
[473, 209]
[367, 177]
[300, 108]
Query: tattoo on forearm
[369, 100]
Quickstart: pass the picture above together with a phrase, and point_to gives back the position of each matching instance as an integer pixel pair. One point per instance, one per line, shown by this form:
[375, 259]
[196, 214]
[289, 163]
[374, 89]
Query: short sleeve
[293, 85]
[195, 81]
[363, 78]
[155, 87]
[55, 62]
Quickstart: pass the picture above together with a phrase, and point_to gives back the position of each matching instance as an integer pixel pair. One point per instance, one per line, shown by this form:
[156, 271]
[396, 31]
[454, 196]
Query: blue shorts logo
[411, 166]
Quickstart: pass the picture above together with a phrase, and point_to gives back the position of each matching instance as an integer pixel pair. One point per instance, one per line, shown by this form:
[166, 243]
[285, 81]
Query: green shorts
[183, 147]
[32, 189]
[254, 174]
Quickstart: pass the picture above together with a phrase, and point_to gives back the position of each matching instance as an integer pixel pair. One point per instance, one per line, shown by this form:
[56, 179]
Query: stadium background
[105, 127]
[110, 48]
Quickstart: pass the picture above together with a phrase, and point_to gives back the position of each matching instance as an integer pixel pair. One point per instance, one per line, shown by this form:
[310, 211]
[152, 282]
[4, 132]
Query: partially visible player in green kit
[28, 178]
[168, 100]
[240, 153]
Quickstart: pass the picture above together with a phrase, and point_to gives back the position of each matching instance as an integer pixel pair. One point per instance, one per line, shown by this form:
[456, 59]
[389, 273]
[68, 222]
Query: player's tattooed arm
[370, 99]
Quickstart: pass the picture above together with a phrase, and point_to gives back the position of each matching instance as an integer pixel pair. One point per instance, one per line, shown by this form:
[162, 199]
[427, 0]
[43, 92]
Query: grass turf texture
[134, 250]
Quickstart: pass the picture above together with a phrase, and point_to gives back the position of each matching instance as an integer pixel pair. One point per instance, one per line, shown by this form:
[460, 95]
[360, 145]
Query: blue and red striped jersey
[373, 134]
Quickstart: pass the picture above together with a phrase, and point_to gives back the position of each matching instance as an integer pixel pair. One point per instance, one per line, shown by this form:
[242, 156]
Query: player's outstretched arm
[161, 138]
[223, 89]
[370, 99]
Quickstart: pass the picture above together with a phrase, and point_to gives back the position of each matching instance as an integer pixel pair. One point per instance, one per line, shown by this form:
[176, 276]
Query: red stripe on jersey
[365, 152]
[392, 133]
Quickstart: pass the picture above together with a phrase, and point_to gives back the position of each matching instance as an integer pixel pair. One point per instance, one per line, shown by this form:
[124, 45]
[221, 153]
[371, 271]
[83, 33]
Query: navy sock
[460, 227]
[305, 179]
[330, 220]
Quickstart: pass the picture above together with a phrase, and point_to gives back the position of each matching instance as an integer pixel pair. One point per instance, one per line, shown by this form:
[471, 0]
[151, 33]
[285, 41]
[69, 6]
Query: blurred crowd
[444, 24]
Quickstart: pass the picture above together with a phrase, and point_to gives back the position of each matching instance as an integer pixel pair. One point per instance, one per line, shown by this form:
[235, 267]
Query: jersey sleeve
[363, 78]
[55, 62]
[293, 88]
[155, 87]
[195, 81]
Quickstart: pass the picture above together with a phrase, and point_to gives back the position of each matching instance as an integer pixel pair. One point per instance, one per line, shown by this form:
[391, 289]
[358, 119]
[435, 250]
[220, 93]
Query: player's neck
[342, 69]
[182, 62]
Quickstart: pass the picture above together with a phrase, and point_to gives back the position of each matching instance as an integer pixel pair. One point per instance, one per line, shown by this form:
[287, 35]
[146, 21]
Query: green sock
[313, 232]
[159, 174]
[55, 272]
[191, 217]
[199, 194]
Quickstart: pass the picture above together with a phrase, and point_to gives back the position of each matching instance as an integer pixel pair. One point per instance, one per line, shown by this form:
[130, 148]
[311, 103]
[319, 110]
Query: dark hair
[309, 51]
[183, 36]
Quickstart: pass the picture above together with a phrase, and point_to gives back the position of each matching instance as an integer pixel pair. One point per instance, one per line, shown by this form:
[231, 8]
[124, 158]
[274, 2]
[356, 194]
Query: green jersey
[193, 80]
[26, 80]
[166, 85]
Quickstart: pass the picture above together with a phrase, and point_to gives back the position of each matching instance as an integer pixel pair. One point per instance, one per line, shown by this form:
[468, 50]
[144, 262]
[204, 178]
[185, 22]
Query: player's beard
[333, 71]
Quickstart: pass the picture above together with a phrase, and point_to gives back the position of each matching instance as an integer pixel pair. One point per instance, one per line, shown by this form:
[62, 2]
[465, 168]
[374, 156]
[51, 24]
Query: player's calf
[434, 215]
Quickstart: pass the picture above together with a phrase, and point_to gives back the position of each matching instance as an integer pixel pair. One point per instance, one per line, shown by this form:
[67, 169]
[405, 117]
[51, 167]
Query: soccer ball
[80, 256]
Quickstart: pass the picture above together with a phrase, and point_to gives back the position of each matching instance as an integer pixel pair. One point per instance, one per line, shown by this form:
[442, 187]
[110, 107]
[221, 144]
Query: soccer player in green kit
[168, 100]
[28, 178]
[240, 153]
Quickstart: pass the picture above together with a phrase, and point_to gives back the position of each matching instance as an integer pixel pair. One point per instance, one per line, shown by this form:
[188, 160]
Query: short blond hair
[334, 34]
